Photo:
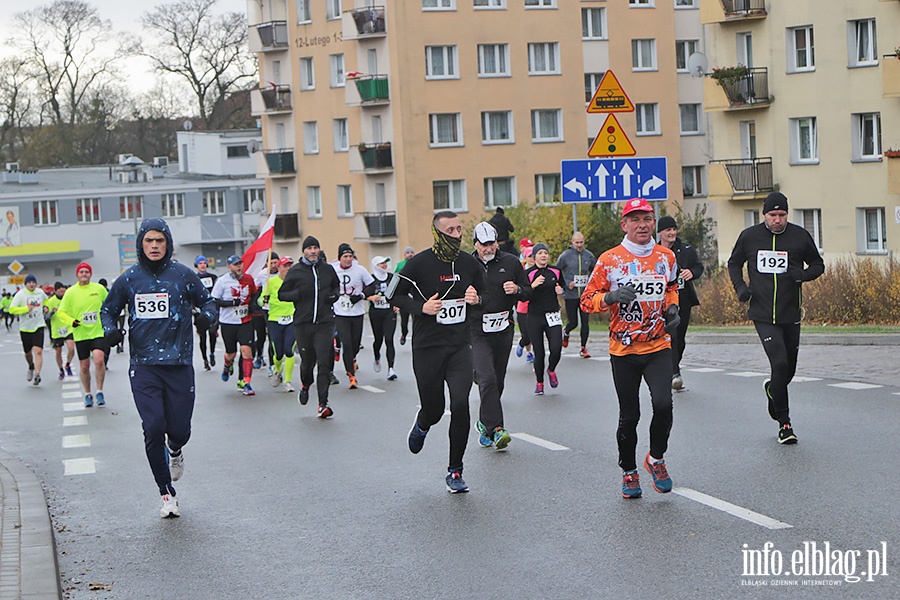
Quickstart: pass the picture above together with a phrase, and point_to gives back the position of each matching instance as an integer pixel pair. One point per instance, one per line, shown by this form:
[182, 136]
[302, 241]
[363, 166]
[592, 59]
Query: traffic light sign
[611, 140]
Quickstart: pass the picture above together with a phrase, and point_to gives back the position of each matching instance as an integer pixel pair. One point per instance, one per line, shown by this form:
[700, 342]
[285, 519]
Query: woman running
[544, 317]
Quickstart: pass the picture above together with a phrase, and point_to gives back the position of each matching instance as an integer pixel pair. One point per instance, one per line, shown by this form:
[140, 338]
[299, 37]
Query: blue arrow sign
[614, 179]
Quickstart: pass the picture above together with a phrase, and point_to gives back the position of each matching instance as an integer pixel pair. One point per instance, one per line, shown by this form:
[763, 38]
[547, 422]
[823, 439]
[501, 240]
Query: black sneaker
[212, 359]
[303, 398]
[334, 380]
[402, 340]
[416, 438]
[786, 434]
[455, 483]
[767, 385]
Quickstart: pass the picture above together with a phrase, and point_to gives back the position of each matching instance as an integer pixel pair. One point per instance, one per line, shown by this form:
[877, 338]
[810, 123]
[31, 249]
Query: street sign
[614, 179]
[16, 267]
[610, 97]
[17, 279]
[611, 140]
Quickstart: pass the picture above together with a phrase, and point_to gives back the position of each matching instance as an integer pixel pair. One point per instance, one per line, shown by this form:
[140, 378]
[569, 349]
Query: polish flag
[256, 257]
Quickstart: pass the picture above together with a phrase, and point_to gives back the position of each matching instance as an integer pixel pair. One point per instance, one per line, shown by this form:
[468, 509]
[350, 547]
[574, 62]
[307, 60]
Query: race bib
[452, 312]
[649, 288]
[207, 282]
[63, 331]
[680, 283]
[241, 311]
[771, 261]
[151, 306]
[89, 318]
[286, 320]
[553, 319]
[381, 302]
[494, 322]
[344, 303]
[581, 280]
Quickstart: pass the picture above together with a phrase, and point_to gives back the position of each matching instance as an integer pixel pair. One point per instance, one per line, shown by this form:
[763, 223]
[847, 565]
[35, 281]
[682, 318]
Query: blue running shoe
[519, 350]
[248, 391]
[226, 372]
[101, 401]
[483, 440]
[501, 438]
[662, 483]
[529, 358]
[257, 363]
[416, 438]
[554, 380]
[88, 400]
[631, 484]
[455, 483]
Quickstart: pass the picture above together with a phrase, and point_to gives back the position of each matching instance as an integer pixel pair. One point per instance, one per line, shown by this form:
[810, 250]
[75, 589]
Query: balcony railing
[287, 226]
[272, 35]
[890, 76]
[744, 8]
[749, 175]
[281, 161]
[376, 156]
[751, 89]
[732, 11]
[372, 88]
[276, 97]
[369, 20]
[381, 224]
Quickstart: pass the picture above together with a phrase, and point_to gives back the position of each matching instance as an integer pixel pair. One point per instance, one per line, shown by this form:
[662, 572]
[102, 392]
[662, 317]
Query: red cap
[84, 265]
[637, 204]
[525, 243]
[285, 260]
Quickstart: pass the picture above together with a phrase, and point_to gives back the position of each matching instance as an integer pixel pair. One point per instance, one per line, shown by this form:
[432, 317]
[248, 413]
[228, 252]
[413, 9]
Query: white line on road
[706, 370]
[74, 421]
[371, 388]
[73, 406]
[855, 385]
[747, 374]
[525, 437]
[79, 466]
[71, 394]
[71, 386]
[799, 379]
[732, 509]
[76, 441]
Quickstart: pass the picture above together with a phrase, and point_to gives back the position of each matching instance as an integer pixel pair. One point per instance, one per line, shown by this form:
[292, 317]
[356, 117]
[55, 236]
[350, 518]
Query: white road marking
[799, 379]
[71, 386]
[76, 441]
[73, 406]
[525, 437]
[371, 388]
[705, 370]
[74, 421]
[597, 358]
[79, 466]
[747, 374]
[855, 385]
[71, 394]
[732, 509]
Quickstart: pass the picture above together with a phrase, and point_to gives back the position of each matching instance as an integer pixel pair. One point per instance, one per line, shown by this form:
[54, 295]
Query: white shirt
[352, 283]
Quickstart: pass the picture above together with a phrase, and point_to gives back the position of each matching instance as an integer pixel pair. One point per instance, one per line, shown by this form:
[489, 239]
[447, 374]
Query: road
[279, 504]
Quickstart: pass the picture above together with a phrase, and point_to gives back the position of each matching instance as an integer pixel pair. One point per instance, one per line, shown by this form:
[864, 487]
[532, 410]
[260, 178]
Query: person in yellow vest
[29, 303]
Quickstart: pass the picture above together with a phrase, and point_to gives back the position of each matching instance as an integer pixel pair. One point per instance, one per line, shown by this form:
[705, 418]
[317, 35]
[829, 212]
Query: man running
[689, 269]
[775, 252]
[259, 318]
[80, 312]
[576, 264]
[232, 292]
[160, 296]
[204, 329]
[349, 309]
[60, 335]
[408, 253]
[445, 284]
[543, 316]
[637, 283]
[282, 338]
[382, 316]
[493, 331]
[4, 307]
[29, 302]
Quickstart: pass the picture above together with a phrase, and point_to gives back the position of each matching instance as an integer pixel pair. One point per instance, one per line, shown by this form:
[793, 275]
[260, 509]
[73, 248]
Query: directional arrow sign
[614, 179]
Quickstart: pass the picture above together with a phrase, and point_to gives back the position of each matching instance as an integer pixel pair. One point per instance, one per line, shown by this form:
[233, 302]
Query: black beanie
[775, 201]
[344, 249]
[664, 223]
[58, 285]
[274, 255]
[310, 241]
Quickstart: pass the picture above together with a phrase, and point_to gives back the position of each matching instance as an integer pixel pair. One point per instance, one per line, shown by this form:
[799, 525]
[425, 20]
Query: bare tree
[16, 96]
[209, 51]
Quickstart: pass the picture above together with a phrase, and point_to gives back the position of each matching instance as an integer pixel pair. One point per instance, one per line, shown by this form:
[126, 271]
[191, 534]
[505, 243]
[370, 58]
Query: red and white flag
[256, 257]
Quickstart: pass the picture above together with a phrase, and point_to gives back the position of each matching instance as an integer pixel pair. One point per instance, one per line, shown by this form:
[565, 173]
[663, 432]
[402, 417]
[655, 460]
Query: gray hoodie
[572, 263]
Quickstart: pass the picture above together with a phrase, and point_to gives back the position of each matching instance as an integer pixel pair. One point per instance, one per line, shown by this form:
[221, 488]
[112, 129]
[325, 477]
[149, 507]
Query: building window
[546, 188]
[801, 50]
[593, 23]
[647, 119]
[336, 61]
[690, 118]
[499, 191]
[341, 138]
[683, 51]
[861, 43]
[307, 74]
[540, 3]
[241, 151]
[131, 207]
[640, 3]
[310, 137]
[255, 200]
[751, 217]
[438, 4]
[333, 9]
[811, 221]
[482, 4]
[88, 210]
[45, 212]
[546, 125]
[804, 145]
[692, 181]
[493, 60]
[543, 58]
[450, 195]
[214, 202]
[591, 83]
[497, 127]
[686, 4]
[303, 11]
[874, 229]
[172, 205]
[314, 201]
[445, 129]
[643, 55]
[345, 201]
[867, 136]
[440, 62]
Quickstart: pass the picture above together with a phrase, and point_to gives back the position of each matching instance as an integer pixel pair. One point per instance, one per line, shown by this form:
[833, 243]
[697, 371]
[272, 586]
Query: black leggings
[537, 328]
[573, 314]
[203, 331]
[260, 327]
[349, 330]
[314, 343]
[384, 324]
[782, 344]
[678, 339]
[522, 320]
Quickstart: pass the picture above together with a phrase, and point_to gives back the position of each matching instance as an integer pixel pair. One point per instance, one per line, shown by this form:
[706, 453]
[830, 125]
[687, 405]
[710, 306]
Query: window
[811, 221]
[131, 207]
[438, 4]
[543, 58]
[172, 205]
[683, 51]
[874, 229]
[241, 151]
[307, 74]
[546, 188]
[593, 23]
[692, 181]
[861, 43]
[303, 11]
[643, 55]
[546, 125]
[492, 60]
[440, 62]
[445, 129]
[450, 195]
[751, 217]
[310, 137]
[314, 201]
[690, 118]
[804, 146]
[867, 136]
[255, 200]
[647, 119]
[499, 191]
[336, 61]
[540, 3]
[497, 127]
[45, 212]
[341, 139]
[333, 9]
[482, 4]
[686, 4]
[345, 201]
[591, 83]
[214, 202]
[801, 50]
[88, 210]
[640, 3]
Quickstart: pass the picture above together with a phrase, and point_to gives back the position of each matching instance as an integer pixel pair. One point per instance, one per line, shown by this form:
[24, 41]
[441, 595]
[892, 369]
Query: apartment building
[813, 120]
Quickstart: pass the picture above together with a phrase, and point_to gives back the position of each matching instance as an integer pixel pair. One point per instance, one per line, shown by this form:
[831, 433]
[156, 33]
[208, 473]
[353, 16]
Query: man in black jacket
[504, 227]
[775, 252]
[689, 269]
[492, 331]
[313, 287]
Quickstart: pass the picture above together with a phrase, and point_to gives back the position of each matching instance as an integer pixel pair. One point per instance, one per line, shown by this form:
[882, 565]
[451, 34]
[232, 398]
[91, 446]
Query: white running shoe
[169, 508]
[276, 379]
[30, 375]
[392, 376]
[176, 466]
[288, 387]
[377, 366]
[677, 382]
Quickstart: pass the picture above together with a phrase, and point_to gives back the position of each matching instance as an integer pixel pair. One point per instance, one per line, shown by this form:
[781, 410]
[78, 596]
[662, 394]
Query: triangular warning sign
[610, 97]
[611, 140]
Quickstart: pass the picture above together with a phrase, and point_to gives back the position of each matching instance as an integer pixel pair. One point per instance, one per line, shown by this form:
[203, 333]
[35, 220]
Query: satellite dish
[187, 125]
[698, 64]
[253, 146]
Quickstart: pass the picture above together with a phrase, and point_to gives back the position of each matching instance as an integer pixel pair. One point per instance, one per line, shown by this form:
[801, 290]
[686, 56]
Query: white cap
[485, 233]
[381, 259]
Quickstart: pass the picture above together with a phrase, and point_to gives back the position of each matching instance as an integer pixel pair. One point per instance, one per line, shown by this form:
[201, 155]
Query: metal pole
[574, 217]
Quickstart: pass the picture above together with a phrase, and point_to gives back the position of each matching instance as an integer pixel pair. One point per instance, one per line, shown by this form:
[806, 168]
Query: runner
[29, 302]
[60, 335]
[408, 253]
[349, 310]
[4, 306]
[444, 282]
[281, 327]
[637, 283]
[492, 331]
[689, 269]
[204, 329]
[382, 316]
[160, 295]
[775, 252]
[259, 318]
[232, 292]
[524, 344]
[576, 264]
[312, 285]
[80, 312]
[543, 316]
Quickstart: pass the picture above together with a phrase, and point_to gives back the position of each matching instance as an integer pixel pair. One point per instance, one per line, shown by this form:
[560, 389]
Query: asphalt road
[278, 504]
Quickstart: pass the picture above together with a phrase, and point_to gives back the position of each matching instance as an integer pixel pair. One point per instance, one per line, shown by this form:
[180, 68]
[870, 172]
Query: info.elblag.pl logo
[813, 563]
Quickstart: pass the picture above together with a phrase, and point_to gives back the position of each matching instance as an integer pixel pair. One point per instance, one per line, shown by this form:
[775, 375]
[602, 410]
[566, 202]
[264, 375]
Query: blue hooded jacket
[160, 297]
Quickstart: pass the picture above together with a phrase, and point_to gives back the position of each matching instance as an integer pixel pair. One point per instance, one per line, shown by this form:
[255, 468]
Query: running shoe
[248, 391]
[677, 382]
[334, 379]
[62, 374]
[88, 400]
[288, 387]
[501, 438]
[416, 438]
[37, 379]
[455, 483]
[376, 366]
[176, 465]
[101, 401]
[212, 359]
[353, 383]
[303, 398]
[584, 352]
[767, 387]
[30, 375]
[69, 371]
[324, 411]
[554, 380]
[529, 358]
[519, 350]
[565, 342]
[205, 365]
[631, 484]
[169, 508]
[240, 384]
[662, 483]
[276, 379]
[786, 434]
[392, 376]
[337, 354]
[271, 372]
[257, 363]
[539, 389]
[483, 439]
[226, 372]
[402, 340]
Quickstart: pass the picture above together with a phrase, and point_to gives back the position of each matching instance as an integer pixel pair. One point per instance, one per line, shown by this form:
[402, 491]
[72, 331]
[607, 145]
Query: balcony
[368, 22]
[280, 162]
[750, 91]
[380, 227]
[729, 11]
[287, 227]
[890, 76]
[741, 178]
[376, 158]
[271, 99]
[271, 36]
[370, 90]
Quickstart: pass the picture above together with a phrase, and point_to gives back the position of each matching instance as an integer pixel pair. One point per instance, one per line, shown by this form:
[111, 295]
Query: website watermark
[812, 564]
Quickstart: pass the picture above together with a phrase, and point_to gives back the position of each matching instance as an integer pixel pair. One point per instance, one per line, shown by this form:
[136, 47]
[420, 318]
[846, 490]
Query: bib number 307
[151, 306]
[452, 312]
[771, 261]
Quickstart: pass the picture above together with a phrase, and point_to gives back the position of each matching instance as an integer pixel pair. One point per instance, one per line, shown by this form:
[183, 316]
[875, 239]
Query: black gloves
[673, 319]
[76, 323]
[115, 337]
[620, 295]
[797, 274]
[356, 298]
[744, 293]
